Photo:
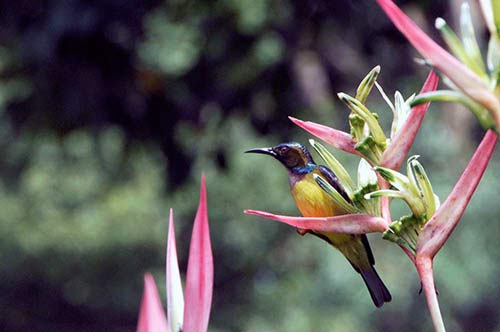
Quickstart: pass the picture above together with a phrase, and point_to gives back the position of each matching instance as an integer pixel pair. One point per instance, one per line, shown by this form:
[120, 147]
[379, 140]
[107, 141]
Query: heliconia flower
[425, 231]
[470, 81]
[191, 315]
[367, 138]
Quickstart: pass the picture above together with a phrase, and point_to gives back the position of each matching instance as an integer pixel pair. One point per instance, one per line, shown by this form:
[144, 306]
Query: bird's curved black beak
[268, 151]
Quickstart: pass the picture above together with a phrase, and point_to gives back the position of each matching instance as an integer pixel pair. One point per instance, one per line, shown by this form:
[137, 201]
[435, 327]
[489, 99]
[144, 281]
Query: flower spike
[439, 227]
[348, 223]
[151, 317]
[200, 271]
[463, 77]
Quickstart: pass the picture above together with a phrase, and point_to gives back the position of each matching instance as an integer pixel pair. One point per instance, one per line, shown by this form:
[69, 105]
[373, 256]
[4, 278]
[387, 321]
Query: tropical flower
[473, 86]
[465, 73]
[191, 315]
[420, 234]
[424, 232]
[366, 137]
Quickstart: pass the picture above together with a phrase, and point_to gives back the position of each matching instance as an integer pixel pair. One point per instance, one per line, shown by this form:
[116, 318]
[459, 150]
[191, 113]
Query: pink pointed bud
[439, 227]
[463, 77]
[337, 138]
[151, 317]
[397, 150]
[200, 271]
[347, 223]
[175, 297]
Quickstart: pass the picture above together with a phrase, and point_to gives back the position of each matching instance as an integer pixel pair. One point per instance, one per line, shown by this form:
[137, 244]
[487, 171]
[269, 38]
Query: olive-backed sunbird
[312, 201]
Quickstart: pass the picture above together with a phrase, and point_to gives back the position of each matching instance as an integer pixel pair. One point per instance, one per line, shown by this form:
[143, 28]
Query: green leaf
[371, 120]
[337, 168]
[458, 49]
[495, 4]
[424, 186]
[469, 37]
[395, 178]
[366, 85]
[369, 206]
[370, 150]
[385, 193]
[407, 189]
[357, 125]
[334, 194]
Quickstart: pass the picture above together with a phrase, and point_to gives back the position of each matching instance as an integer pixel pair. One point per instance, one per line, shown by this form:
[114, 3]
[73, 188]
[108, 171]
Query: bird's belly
[311, 200]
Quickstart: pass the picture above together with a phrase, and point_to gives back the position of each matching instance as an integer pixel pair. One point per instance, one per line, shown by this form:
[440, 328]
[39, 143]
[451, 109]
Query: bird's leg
[303, 232]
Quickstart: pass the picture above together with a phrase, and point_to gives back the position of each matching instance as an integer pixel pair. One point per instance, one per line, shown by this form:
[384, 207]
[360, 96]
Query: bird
[313, 201]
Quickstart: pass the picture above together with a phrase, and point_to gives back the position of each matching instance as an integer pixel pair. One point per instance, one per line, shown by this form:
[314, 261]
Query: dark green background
[109, 112]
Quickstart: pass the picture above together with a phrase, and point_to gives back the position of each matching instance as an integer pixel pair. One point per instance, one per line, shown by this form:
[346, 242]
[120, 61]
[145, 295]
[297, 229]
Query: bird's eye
[284, 149]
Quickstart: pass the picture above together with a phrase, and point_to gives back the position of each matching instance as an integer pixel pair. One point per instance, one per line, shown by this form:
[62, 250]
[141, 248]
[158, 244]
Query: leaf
[335, 166]
[339, 139]
[338, 199]
[366, 85]
[358, 108]
[347, 223]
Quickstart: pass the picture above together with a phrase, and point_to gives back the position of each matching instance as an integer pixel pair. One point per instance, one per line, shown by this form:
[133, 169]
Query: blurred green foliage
[84, 211]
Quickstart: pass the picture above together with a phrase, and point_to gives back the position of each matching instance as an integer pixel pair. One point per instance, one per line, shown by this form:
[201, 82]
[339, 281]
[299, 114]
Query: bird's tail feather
[379, 293]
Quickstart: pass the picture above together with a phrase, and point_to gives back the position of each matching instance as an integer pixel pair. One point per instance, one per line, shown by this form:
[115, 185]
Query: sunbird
[313, 201]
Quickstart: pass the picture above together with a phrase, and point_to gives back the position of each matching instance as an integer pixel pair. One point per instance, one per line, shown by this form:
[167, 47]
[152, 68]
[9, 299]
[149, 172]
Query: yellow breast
[311, 200]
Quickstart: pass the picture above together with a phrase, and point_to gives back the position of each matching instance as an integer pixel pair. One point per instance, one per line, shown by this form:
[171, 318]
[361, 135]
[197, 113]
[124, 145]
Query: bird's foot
[303, 232]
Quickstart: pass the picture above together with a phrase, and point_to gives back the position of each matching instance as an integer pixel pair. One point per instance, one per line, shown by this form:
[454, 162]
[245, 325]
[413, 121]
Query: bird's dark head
[292, 155]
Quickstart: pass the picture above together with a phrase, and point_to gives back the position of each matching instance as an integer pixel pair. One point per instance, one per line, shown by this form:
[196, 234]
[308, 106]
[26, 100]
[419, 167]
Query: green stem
[424, 268]
[481, 113]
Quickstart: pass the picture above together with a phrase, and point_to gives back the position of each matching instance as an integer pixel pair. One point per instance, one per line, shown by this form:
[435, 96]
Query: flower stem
[424, 268]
